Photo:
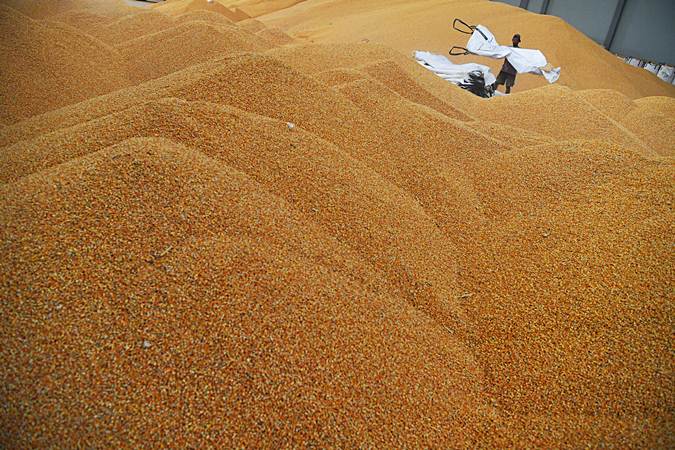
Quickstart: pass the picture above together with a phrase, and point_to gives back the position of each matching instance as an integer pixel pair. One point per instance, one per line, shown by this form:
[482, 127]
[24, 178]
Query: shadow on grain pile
[404, 267]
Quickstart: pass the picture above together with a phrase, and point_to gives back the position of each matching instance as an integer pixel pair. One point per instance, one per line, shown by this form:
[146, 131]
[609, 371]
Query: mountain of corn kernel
[247, 223]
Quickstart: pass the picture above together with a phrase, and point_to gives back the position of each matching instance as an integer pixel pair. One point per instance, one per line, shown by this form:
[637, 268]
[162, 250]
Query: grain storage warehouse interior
[260, 223]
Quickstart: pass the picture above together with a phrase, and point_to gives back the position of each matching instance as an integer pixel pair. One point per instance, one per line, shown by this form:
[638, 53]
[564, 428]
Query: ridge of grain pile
[404, 76]
[217, 6]
[46, 9]
[46, 65]
[412, 266]
[184, 45]
[556, 112]
[83, 19]
[133, 26]
[275, 36]
[251, 25]
[206, 16]
[255, 8]
[651, 119]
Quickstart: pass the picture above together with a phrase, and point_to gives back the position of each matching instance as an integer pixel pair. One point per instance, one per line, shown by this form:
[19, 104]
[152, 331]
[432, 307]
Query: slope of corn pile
[248, 223]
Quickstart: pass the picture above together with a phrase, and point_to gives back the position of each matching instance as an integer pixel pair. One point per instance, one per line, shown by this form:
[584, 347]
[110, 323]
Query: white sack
[455, 73]
[485, 44]
[653, 68]
[482, 42]
[666, 73]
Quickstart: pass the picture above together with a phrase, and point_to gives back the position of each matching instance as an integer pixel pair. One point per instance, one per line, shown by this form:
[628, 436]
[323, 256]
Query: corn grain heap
[215, 233]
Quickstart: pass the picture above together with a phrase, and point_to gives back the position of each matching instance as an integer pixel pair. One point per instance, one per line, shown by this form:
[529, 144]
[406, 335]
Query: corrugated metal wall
[535, 5]
[591, 17]
[647, 30]
[639, 28]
